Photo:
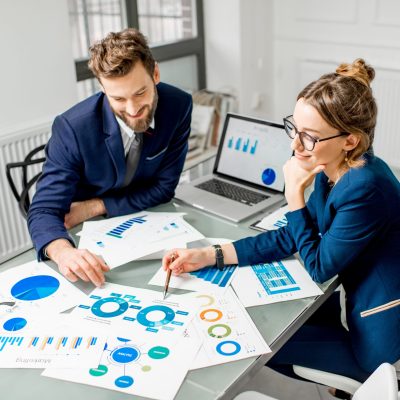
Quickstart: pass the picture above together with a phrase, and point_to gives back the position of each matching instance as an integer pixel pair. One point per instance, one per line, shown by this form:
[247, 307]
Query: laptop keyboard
[232, 192]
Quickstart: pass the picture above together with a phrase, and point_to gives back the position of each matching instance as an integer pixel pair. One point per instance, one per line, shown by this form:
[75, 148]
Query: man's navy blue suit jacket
[85, 159]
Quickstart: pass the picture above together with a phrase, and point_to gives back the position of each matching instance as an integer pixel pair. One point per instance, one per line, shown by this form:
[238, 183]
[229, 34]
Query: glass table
[276, 322]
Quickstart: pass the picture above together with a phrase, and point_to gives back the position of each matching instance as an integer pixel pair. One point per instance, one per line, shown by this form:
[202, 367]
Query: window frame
[164, 52]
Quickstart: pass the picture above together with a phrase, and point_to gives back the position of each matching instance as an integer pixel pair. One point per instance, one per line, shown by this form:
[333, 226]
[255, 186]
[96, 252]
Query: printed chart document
[120, 240]
[59, 342]
[273, 282]
[206, 279]
[137, 310]
[37, 287]
[144, 365]
[272, 221]
[228, 332]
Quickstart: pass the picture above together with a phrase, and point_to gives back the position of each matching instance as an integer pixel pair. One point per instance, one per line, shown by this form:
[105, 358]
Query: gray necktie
[132, 158]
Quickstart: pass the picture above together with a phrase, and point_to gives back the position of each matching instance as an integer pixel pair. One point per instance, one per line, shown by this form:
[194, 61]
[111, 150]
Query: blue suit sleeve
[265, 247]
[55, 188]
[269, 246]
[359, 219]
[162, 187]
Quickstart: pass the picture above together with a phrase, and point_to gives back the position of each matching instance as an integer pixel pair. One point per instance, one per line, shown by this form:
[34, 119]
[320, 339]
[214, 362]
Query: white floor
[281, 387]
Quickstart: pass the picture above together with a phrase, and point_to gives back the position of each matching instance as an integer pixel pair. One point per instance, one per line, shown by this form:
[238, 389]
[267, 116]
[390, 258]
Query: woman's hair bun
[358, 70]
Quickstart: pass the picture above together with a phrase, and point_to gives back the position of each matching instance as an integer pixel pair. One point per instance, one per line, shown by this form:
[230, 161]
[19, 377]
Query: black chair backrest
[23, 198]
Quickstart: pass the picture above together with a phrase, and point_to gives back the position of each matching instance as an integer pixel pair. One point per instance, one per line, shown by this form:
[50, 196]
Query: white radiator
[14, 237]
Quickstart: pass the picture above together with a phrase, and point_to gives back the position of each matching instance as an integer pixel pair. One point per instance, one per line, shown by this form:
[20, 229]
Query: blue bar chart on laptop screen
[118, 231]
[244, 145]
[215, 276]
[275, 278]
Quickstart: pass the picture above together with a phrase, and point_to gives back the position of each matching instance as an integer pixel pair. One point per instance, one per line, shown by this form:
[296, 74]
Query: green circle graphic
[158, 352]
[227, 332]
[99, 371]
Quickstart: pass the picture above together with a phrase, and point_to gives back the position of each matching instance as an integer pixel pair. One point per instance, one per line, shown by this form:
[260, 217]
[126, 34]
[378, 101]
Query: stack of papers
[131, 237]
[273, 221]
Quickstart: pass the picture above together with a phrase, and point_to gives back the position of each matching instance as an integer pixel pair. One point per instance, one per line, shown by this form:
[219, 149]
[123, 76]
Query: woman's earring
[346, 158]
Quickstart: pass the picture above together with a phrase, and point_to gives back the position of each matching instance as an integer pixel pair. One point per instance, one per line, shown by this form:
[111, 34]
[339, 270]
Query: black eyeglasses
[306, 140]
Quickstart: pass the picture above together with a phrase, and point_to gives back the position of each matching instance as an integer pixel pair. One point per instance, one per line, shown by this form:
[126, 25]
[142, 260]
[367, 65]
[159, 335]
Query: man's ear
[156, 74]
[351, 142]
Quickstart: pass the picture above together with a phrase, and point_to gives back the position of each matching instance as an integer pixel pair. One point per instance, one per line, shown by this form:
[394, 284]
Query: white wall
[36, 69]
[268, 50]
[239, 52]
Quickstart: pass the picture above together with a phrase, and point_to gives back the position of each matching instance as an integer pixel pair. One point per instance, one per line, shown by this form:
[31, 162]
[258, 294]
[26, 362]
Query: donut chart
[122, 307]
[211, 315]
[228, 348]
[142, 316]
[219, 331]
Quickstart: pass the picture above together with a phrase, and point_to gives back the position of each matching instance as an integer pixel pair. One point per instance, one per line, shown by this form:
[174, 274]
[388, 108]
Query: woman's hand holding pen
[188, 260]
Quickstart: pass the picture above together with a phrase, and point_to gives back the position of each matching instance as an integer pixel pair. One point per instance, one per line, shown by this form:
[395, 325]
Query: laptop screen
[253, 151]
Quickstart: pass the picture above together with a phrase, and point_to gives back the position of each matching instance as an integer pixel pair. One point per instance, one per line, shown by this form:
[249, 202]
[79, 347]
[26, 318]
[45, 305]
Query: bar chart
[243, 145]
[215, 276]
[118, 231]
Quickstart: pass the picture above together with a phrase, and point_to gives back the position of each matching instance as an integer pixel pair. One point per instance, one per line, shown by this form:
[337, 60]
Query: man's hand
[83, 210]
[75, 263]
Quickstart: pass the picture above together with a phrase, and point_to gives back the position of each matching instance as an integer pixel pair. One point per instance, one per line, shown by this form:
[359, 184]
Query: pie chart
[268, 176]
[35, 287]
[14, 324]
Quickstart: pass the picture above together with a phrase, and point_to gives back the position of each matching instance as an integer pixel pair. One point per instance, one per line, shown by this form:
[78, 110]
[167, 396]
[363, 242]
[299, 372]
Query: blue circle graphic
[96, 307]
[14, 324]
[124, 381]
[168, 317]
[125, 355]
[268, 176]
[35, 287]
[225, 353]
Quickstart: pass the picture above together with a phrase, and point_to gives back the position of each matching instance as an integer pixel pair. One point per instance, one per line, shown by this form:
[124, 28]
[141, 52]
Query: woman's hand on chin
[297, 179]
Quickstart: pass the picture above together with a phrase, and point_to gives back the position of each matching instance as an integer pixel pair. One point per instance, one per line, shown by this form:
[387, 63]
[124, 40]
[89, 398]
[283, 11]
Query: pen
[168, 278]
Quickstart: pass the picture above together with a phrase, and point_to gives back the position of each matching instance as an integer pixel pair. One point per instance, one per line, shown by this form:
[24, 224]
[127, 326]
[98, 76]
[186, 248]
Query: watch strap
[219, 257]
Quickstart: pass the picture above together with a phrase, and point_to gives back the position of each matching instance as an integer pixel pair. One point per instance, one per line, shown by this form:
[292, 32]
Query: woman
[350, 226]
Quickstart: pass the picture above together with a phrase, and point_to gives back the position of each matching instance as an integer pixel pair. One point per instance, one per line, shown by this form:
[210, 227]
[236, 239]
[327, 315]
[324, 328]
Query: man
[119, 151]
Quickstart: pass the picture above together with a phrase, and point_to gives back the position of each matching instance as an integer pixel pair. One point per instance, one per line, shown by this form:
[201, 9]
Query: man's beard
[141, 124]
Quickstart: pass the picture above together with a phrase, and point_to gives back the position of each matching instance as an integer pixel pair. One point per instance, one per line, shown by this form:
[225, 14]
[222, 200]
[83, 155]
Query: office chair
[27, 182]
[382, 384]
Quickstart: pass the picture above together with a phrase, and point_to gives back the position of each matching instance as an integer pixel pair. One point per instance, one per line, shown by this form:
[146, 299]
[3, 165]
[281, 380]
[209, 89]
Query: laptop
[247, 176]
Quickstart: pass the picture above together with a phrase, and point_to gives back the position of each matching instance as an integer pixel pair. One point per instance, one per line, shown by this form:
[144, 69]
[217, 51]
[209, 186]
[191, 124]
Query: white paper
[274, 220]
[123, 239]
[139, 365]
[59, 342]
[37, 287]
[274, 282]
[137, 310]
[228, 332]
